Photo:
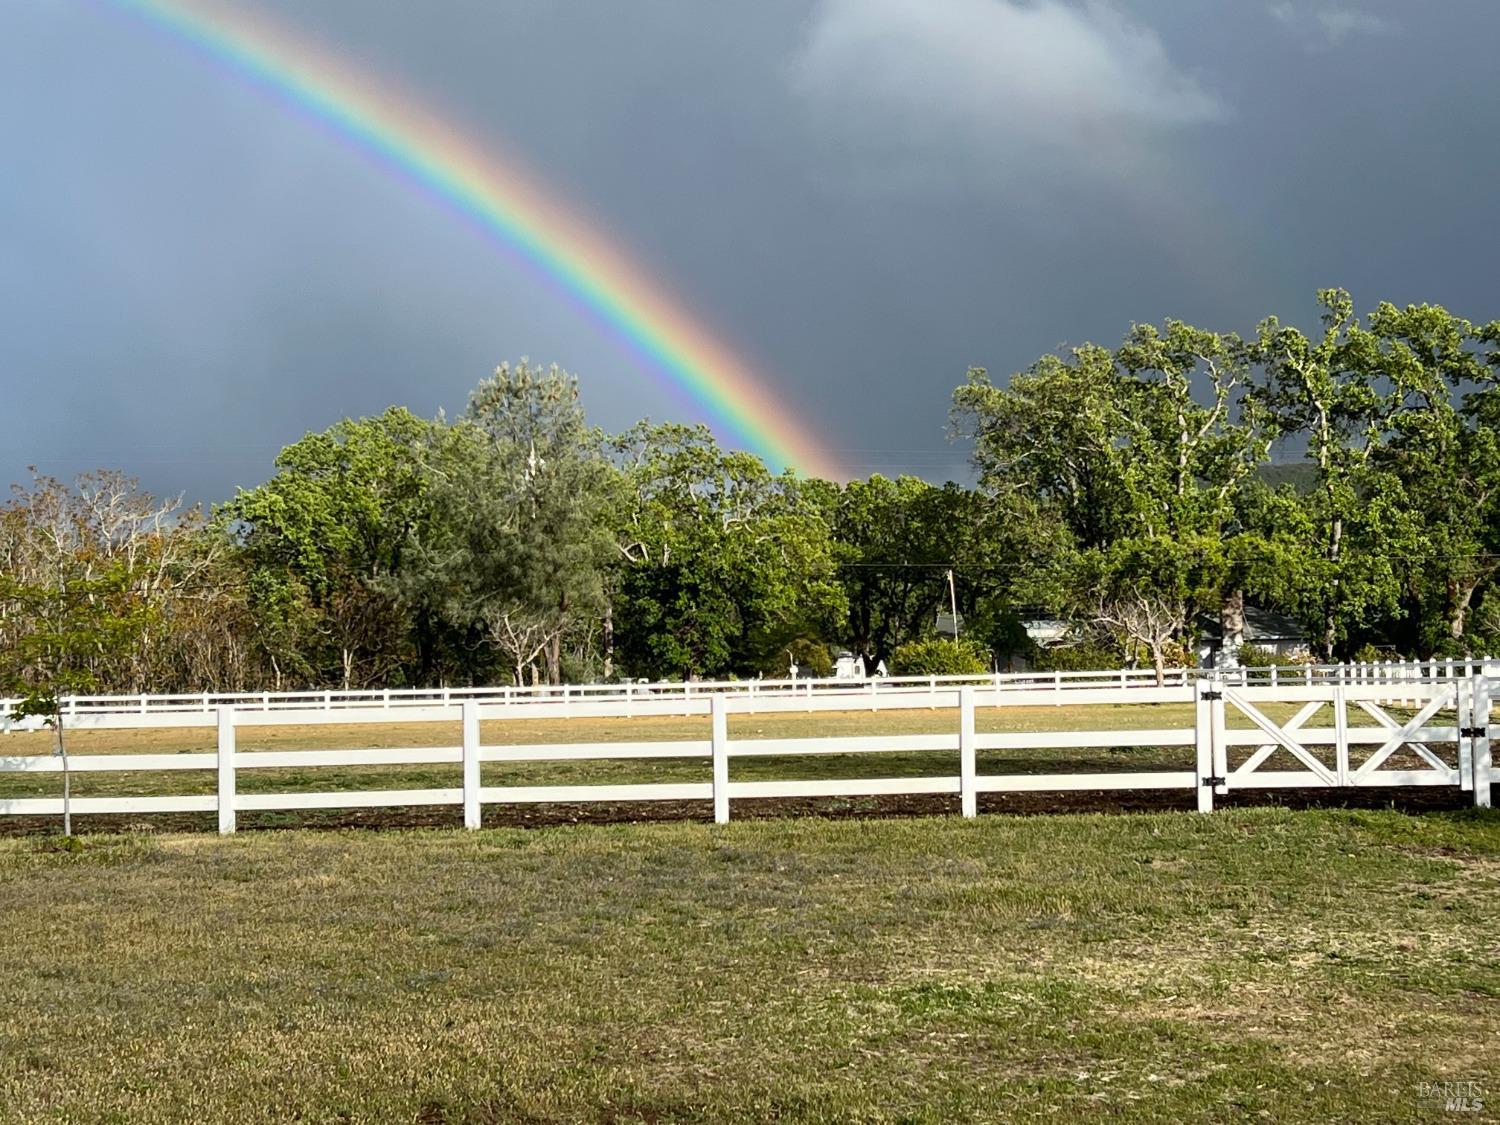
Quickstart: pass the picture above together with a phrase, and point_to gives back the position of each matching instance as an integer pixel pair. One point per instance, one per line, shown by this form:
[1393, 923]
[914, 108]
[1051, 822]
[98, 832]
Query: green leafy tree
[1434, 482]
[1105, 459]
[896, 541]
[1143, 592]
[1184, 459]
[527, 518]
[1189, 460]
[720, 563]
[1326, 392]
[1047, 446]
[328, 541]
[78, 619]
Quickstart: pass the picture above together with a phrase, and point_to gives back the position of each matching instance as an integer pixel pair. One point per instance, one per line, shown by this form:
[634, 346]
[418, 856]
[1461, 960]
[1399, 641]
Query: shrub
[1254, 656]
[1087, 657]
[937, 657]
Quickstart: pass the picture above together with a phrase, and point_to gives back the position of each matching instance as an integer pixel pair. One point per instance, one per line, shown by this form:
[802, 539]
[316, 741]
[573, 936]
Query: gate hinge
[1212, 695]
[1214, 781]
[1473, 732]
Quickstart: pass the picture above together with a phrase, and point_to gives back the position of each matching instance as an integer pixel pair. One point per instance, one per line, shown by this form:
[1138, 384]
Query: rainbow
[429, 152]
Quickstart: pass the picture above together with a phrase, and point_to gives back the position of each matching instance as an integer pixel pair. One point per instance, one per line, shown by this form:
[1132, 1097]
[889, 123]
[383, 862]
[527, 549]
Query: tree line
[1346, 477]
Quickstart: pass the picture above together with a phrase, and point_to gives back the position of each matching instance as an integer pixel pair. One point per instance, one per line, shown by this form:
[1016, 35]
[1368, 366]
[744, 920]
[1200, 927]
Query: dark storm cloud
[864, 197]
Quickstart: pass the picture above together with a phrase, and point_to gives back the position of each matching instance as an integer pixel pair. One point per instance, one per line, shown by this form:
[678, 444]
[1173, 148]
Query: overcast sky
[863, 197]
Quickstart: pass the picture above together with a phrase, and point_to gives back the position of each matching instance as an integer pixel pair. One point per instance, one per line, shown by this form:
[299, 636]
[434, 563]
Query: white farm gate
[1395, 750]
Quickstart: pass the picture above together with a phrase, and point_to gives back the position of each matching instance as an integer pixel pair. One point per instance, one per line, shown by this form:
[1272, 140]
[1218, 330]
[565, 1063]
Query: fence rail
[1439, 733]
[664, 697]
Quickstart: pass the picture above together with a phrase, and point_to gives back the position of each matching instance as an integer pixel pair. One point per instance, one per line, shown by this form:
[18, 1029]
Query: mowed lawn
[1260, 964]
[605, 771]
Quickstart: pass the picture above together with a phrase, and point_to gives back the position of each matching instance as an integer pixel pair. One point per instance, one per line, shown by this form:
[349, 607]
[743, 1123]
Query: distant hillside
[1301, 475]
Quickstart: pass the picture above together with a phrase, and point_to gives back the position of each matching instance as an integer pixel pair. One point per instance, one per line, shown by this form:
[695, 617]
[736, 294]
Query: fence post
[1341, 734]
[226, 771]
[968, 797]
[1203, 741]
[1463, 705]
[471, 763]
[719, 734]
[1479, 715]
[1220, 742]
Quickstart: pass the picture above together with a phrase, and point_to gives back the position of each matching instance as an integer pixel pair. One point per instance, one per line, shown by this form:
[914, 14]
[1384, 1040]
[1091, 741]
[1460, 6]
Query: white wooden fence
[1447, 733]
[753, 695]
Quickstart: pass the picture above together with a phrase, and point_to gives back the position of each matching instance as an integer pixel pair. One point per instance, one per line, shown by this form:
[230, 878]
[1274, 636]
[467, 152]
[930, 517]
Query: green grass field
[1252, 965]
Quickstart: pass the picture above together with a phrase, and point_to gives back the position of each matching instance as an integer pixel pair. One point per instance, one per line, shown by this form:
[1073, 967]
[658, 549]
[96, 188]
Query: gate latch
[1212, 695]
[1214, 781]
[1473, 732]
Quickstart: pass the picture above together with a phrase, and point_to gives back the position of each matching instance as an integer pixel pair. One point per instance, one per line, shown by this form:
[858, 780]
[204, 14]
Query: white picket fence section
[753, 695]
[1452, 716]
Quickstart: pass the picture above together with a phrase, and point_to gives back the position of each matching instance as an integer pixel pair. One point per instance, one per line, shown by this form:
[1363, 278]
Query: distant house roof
[1261, 626]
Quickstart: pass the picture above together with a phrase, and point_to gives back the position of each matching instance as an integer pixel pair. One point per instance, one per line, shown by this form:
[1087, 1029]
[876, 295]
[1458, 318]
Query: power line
[1389, 556]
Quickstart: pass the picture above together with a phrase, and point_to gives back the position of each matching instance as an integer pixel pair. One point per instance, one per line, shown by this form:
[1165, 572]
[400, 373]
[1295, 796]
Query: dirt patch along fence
[1321, 735]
